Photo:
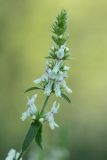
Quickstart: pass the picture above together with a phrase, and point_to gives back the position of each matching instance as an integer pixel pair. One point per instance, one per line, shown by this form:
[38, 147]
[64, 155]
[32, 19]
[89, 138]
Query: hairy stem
[44, 105]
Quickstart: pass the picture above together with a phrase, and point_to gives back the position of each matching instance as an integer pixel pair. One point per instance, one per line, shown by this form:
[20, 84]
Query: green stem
[20, 155]
[44, 105]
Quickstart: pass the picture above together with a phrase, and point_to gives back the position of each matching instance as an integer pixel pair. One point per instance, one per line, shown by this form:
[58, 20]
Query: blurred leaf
[59, 26]
[32, 132]
[48, 57]
[33, 88]
[38, 137]
[66, 98]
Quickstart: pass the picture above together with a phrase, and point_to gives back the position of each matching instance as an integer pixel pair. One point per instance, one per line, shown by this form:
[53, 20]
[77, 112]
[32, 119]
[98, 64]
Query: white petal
[33, 98]
[24, 116]
[32, 110]
[67, 49]
[42, 78]
[17, 155]
[56, 125]
[57, 89]
[68, 89]
[49, 116]
[49, 71]
[55, 108]
[52, 124]
[31, 102]
[12, 154]
[66, 68]
[45, 77]
[37, 80]
[48, 88]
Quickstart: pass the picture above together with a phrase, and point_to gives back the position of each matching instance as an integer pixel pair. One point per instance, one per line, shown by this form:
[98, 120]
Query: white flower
[31, 103]
[56, 68]
[60, 76]
[41, 79]
[60, 53]
[31, 111]
[48, 88]
[12, 155]
[57, 89]
[54, 77]
[66, 87]
[50, 116]
[50, 73]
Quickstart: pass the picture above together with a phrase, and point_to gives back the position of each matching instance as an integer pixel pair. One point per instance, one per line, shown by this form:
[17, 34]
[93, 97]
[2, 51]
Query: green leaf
[33, 88]
[66, 98]
[38, 137]
[32, 132]
[59, 26]
[48, 57]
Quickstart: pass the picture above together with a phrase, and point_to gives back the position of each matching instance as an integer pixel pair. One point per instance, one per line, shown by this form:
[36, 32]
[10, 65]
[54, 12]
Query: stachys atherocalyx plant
[52, 81]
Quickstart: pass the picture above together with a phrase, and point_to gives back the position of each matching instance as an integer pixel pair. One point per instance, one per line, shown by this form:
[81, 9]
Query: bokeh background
[25, 39]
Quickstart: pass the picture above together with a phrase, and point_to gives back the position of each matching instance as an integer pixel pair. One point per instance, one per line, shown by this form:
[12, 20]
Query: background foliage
[25, 39]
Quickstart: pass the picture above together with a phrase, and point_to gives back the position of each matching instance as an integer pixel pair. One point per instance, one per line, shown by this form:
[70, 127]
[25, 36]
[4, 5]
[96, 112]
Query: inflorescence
[51, 82]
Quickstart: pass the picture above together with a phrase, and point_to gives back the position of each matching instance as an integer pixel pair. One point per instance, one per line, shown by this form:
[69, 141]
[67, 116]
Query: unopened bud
[41, 120]
[67, 49]
[60, 36]
[33, 117]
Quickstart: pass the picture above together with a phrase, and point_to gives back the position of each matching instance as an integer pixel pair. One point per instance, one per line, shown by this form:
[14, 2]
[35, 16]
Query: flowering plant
[51, 82]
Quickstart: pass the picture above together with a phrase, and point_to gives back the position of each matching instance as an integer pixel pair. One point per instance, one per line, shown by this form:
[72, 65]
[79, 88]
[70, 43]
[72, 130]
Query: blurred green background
[25, 39]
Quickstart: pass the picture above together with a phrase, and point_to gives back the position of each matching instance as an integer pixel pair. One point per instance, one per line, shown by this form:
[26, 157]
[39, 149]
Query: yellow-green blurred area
[25, 39]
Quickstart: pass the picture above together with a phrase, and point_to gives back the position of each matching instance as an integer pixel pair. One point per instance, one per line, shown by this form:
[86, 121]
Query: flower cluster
[33, 112]
[32, 109]
[12, 155]
[53, 80]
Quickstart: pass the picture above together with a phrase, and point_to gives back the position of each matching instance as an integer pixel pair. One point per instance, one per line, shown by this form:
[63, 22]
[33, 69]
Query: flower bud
[67, 49]
[33, 117]
[60, 36]
[41, 120]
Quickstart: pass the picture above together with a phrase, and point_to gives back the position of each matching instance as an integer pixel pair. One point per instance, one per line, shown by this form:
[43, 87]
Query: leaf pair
[63, 95]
